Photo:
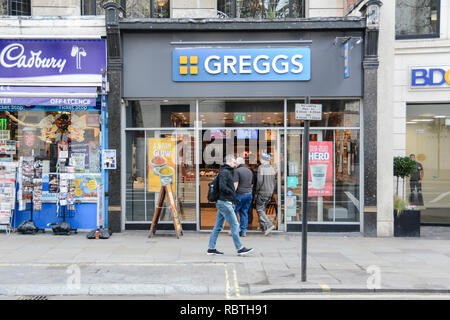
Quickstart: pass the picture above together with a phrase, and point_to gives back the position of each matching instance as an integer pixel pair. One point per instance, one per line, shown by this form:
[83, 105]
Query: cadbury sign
[52, 61]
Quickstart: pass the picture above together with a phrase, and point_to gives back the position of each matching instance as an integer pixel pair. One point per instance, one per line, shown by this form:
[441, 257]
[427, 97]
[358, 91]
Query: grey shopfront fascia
[147, 75]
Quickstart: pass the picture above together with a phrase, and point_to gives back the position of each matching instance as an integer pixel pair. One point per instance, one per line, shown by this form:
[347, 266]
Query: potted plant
[406, 218]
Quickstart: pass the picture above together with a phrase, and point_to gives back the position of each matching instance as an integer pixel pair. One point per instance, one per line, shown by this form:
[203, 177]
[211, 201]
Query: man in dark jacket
[225, 209]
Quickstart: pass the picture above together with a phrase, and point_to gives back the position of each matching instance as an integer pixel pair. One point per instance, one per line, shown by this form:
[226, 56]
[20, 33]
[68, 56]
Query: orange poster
[161, 163]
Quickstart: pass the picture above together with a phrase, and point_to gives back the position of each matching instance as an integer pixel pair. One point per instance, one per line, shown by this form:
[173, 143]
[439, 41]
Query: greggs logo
[430, 76]
[268, 64]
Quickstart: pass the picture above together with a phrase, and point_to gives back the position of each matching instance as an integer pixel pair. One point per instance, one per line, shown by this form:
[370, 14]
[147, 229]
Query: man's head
[230, 160]
[412, 156]
[240, 161]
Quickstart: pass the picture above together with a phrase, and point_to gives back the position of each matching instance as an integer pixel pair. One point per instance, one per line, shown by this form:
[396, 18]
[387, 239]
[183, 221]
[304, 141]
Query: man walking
[415, 182]
[265, 187]
[243, 182]
[225, 209]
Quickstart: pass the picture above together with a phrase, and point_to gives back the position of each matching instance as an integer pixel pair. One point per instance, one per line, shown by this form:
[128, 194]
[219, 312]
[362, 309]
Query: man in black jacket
[225, 209]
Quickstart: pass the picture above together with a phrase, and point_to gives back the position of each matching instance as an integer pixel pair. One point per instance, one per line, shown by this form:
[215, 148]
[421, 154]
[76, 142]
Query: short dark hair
[412, 154]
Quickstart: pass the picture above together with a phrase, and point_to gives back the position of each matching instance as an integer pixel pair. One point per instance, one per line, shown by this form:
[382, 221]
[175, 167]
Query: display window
[427, 143]
[246, 128]
[56, 143]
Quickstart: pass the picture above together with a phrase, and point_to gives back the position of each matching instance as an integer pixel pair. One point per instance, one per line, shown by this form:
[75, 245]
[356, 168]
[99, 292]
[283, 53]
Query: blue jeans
[225, 211]
[243, 202]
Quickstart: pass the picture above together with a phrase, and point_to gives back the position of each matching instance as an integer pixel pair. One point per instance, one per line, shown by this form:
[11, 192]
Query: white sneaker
[269, 230]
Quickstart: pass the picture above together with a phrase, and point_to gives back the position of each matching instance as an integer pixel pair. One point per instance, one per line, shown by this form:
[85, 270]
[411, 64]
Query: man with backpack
[222, 190]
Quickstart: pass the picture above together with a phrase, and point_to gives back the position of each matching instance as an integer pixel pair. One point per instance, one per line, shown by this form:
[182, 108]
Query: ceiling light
[411, 122]
[422, 120]
[439, 117]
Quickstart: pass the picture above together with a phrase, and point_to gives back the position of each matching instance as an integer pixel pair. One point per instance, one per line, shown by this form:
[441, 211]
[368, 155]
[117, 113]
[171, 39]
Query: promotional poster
[320, 181]
[162, 163]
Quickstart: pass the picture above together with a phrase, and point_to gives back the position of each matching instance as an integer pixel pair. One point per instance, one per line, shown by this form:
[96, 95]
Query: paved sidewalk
[131, 264]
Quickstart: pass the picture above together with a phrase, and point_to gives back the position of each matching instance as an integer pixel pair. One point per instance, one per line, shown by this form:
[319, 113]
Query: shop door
[249, 144]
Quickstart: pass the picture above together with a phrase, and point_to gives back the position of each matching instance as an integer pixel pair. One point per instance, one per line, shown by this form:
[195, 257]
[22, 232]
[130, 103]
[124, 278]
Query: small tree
[403, 167]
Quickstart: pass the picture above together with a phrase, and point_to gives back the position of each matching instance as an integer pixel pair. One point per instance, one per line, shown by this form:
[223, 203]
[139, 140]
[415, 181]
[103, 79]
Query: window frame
[9, 9]
[435, 35]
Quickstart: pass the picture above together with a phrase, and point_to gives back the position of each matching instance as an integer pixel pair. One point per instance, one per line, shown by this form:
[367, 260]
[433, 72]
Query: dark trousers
[415, 185]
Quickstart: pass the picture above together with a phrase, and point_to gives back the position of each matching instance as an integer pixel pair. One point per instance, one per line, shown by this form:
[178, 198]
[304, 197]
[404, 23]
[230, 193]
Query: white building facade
[421, 107]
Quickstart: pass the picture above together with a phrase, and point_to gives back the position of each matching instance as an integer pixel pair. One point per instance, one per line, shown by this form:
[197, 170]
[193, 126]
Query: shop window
[335, 113]
[45, 134]
[241, 113]
[266, 9]
[417, 19]
[160, 114]
[333, 181]
[150, 152]
[428, 139]
[133, 8]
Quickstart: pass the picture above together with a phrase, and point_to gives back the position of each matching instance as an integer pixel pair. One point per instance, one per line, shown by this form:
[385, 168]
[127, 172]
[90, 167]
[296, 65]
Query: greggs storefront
[192, 95]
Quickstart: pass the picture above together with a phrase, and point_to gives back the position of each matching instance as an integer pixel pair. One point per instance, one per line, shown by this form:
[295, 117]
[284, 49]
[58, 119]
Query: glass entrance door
[248, 143]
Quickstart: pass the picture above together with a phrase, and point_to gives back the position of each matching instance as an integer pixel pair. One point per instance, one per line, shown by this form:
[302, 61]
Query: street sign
[308, 111]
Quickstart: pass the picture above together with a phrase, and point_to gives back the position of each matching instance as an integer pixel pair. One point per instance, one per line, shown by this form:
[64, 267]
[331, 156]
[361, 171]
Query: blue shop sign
[258, 64]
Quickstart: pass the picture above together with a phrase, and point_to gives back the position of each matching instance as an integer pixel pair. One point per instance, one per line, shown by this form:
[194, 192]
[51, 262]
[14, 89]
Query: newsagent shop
[193, 93]
[52, 132]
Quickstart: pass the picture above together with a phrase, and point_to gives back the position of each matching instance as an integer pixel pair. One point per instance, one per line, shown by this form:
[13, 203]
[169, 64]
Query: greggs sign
[218, 64]
[430, 77]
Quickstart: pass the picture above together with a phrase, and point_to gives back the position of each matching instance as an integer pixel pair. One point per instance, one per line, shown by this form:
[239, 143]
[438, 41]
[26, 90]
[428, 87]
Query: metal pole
[305, 171]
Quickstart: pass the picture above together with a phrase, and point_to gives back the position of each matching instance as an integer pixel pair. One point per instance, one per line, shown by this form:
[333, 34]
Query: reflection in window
[417, 18]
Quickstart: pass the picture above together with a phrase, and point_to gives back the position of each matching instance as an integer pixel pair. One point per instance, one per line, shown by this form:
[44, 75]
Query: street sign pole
[305, 167]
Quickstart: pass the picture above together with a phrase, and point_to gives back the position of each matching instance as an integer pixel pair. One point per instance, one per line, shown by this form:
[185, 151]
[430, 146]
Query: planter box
[407, 223]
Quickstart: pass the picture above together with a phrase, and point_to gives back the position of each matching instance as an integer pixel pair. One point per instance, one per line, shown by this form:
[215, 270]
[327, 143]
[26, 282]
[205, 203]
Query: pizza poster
[320, 180]
[161, 163]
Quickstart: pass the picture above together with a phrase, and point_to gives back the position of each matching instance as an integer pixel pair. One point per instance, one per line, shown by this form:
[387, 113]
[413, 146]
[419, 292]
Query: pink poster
[320, 180]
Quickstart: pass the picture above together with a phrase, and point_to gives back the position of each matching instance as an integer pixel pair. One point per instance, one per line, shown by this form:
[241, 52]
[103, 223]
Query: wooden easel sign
[166, 189]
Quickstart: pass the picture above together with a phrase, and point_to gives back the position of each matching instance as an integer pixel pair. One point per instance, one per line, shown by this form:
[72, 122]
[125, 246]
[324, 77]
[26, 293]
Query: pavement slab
[129, 263]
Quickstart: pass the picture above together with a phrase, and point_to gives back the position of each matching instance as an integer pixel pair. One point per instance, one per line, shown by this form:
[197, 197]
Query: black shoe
[242, 234]
[212, 252]
[244, 251]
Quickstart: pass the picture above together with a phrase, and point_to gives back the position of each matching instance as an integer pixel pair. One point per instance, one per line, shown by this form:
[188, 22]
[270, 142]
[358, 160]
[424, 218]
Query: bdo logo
[426, 76]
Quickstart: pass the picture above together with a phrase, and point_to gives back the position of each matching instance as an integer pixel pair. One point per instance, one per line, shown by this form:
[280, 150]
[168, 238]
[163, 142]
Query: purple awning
[48, 96]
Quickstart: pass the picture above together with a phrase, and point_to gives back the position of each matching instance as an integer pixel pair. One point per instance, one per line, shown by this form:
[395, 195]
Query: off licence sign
[308, 111]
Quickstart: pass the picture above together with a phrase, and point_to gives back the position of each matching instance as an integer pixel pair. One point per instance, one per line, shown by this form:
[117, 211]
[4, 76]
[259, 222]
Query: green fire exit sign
[239, 117]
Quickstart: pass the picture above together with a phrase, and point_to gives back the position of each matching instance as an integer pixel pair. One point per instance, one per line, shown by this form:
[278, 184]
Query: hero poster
[320, 180]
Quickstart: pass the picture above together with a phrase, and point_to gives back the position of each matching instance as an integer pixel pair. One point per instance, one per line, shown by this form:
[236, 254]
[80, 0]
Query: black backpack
[213, 191]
